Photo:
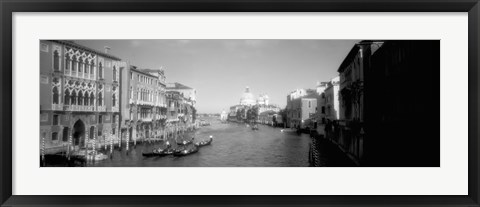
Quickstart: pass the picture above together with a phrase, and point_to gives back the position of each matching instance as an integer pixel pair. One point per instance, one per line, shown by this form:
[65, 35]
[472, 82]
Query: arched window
[100, 99]
[114, 73]
[67, 62]
[100, 70]
[80, 65]
[92, 67]
[92, 99]
[66, 99]
[74, 64]
[56, 60]
[87, 68]
[73, 98]
[55, 95]
[85, 99]
[114, 100]
[80, 98]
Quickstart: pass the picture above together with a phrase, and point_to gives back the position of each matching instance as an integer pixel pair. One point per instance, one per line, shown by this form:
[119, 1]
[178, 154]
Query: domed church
[248, 99]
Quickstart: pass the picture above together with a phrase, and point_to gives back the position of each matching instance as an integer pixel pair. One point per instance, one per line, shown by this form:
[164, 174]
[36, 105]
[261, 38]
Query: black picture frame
[8, 7]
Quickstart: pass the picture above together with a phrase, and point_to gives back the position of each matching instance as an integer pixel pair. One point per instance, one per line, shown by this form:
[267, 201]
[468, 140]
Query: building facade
[301, 108]
[145, 113]
[249, 102]
[80, 95]
[332, 103]
[181, 101]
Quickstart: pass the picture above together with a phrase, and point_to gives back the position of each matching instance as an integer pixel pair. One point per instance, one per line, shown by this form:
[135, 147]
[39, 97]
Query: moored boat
[185, 142]
[185, 151]
[158, 152]
[204, 142]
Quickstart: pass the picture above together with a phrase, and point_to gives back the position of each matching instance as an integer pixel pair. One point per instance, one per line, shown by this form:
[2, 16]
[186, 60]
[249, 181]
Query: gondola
[204, 142]
[158, 152]
[185, 142]
[184, 151]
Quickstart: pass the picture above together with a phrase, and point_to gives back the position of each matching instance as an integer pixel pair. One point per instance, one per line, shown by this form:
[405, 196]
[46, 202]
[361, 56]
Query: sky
[221, 69]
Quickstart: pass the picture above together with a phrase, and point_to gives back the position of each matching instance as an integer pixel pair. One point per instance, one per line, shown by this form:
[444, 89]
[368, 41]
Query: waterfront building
[248, 101]
[224, 115]
[301, 106]
[190, 94]
[319, 117]
[80, 93]
[181, 101]
[332, 103]
[351, 120]
[145, 114]
[173, 103]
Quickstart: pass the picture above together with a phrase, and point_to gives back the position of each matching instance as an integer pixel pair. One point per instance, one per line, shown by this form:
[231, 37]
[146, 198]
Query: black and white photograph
[239, 103]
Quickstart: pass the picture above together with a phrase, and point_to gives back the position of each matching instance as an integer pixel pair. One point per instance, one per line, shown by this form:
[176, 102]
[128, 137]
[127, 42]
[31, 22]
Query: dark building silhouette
[402, 104]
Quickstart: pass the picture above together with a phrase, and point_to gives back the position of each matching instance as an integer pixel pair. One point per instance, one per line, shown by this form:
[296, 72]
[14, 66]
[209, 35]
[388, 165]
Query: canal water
[233, 145]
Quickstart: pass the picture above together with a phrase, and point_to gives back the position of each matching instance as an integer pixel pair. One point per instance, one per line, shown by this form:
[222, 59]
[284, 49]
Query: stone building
[80, 93]
[332, 104]
[301, 106]
[145, 113]
[181, 105]
[248, 101]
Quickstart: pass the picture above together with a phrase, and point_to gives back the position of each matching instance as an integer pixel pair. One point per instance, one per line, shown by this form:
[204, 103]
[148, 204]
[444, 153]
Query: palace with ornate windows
[80, 93]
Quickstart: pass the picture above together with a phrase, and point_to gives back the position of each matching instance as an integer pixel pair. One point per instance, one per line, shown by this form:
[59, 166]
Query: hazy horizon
[221, 69]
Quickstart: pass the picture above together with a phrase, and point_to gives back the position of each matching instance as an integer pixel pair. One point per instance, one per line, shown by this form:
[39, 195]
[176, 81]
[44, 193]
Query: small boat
[185, 142]
[255, 127]
[97, 156]
[184, 151]
[204, 142]
[157, 152]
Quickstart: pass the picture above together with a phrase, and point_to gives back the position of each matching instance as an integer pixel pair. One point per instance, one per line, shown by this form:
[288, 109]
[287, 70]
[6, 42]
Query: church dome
[247, 98]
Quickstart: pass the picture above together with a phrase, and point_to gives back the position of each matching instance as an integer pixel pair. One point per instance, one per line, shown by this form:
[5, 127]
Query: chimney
[107, 48]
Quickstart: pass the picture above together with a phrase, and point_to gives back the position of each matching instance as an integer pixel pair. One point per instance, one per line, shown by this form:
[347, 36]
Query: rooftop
[71, 43]
[135, 69]
[177, 86]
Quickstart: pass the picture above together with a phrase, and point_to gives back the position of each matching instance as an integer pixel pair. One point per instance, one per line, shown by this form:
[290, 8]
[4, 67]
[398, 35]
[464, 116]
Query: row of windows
[144, 79]
[80, 65]
[81, 99]
[56, 119]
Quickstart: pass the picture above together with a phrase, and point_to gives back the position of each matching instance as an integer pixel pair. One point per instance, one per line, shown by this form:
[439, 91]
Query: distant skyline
[221, 69]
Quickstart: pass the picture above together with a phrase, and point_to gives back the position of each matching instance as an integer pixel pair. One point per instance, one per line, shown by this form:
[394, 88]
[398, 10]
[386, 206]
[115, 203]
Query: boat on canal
[159, 152]
[204, 142]
[185, 142]
[184, 151]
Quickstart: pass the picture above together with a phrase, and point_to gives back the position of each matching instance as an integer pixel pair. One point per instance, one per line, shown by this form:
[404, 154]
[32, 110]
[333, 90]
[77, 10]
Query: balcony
[78, 108]
[57, 107]
[67, 72]
[114, 109]
[147, 103]
[101, 108]
[146, 119]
